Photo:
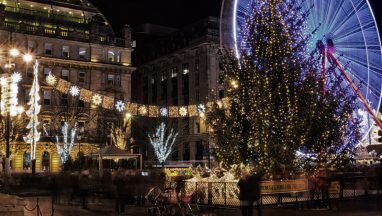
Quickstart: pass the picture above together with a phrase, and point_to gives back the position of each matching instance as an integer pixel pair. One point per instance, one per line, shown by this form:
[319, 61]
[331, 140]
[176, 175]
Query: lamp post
[9, 90]
[79, 137]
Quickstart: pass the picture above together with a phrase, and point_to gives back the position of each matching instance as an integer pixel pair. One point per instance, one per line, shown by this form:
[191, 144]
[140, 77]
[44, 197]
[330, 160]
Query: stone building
[176, 69]
[75, 42]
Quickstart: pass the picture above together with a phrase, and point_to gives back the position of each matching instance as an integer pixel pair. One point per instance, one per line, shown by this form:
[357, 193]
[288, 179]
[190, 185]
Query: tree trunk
[33, 166]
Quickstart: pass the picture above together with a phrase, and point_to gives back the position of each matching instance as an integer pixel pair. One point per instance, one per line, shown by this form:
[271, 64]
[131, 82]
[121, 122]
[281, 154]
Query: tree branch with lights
[162, 142]
[279, 116]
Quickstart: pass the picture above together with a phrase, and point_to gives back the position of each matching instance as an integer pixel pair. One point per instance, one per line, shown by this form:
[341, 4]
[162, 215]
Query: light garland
[183, 111]
[120, 106]
[97, 99]
[74, 90]
[163, 112]
[51, 80]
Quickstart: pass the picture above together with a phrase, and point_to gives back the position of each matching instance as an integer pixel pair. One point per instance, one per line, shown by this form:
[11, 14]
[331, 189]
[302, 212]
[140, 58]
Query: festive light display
[33, 136]
[277, 105]
[51, 80]
[67, 146]
[97, 99]
[183, 111]
[162, 142]
[74, 90]
[163, 111]
[120, 106]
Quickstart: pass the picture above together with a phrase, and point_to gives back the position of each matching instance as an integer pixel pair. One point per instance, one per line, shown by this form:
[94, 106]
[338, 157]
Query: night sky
[172, 13]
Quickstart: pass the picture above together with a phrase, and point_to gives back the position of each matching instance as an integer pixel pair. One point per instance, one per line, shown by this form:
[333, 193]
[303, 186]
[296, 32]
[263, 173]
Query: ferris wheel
[345, 34]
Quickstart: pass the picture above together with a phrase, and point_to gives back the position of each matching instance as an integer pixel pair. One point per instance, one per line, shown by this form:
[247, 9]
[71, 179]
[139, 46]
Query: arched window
[26, 160]
[45, 161]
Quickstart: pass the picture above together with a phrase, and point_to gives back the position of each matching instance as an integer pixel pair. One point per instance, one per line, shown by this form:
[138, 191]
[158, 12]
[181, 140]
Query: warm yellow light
[20, 109]
[27, 57]
[234, 84]
[128, 115]
[14, 52]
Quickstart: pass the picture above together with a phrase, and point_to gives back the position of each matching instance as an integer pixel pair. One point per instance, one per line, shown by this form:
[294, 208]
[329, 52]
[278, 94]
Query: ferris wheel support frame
[328, 54]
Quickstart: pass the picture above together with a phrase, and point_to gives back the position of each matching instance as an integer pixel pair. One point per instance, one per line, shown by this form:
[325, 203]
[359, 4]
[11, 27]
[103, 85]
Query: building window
[197, 79]
[186, 151]
[163, 76]
[118, 80]
[185, 68]
[110, 79]
[64, 100]
[31, 46]
[48, 49]
[111, 56]
[47, 71]
[81, 103]
[47, 97]
[82, 53]
[46, 127]
[81, 76]
[65, 51]
[152, 80]
[174, 72]
[221, 79]
[65, 74]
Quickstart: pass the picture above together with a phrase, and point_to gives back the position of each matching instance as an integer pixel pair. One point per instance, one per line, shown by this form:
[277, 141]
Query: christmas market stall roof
[114, 153]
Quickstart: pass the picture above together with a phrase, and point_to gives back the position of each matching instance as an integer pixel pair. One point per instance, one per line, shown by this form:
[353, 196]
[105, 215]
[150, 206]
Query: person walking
[249, 192]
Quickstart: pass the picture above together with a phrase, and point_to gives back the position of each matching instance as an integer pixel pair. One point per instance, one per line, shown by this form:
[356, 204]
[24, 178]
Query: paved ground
[359, 207]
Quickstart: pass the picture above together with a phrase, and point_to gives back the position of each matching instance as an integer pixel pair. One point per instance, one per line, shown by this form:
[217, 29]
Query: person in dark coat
[120, 181]
[249, 192]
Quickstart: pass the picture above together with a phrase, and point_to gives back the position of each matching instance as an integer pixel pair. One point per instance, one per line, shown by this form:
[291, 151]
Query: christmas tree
[282, 113]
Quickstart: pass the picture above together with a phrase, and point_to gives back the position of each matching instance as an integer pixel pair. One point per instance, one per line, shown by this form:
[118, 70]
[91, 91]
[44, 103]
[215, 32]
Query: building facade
[181, 68]
[74, 42]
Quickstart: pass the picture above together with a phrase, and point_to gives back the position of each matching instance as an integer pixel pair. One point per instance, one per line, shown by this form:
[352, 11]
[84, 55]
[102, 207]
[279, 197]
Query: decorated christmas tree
[283, 114]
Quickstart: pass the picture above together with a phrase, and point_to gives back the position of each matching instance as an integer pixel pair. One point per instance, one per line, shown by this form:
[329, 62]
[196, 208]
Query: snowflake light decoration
[97, 99]
[183, 111]
[201, 109]
[51, 80]
[163, 112]
[120, 106]
[74, 90]
[16, 77]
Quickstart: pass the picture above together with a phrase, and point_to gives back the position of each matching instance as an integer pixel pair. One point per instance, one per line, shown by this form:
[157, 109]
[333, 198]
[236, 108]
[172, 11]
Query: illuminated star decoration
[97, 99]
[16, 77]
[51, 80]
[183, 111]
[74, 90]
[120, 106]
[163, 111]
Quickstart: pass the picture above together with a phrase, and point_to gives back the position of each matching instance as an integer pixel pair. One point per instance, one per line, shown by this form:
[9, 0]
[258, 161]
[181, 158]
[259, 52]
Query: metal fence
[226, 193]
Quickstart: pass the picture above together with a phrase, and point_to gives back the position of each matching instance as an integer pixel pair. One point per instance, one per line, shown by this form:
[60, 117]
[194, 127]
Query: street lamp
[9, 90]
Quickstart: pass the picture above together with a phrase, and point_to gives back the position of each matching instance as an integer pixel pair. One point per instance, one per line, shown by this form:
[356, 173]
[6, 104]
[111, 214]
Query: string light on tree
[162, 142]
[67, 146]
[34, 109]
